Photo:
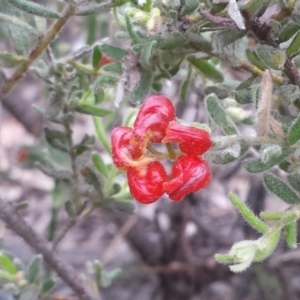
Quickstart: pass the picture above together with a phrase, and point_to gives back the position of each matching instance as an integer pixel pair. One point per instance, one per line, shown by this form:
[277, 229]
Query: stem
[151, 149]
[172, 153]
[65, 271]
[36, 52]
[71, 224]
[73, 157]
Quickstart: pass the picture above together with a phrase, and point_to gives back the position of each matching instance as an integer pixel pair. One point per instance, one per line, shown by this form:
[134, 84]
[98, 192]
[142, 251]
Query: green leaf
[9, 60]
[56, 139]
[99, 164]
[291, 235]
[255, 59]
[108, 277]
[48, 285]
[280, 189]
[132, 34]
[96, 57]
[224, 38]
[7, 263]
[92, 179]
[34, 8]
[34, 270]
[147, 52]
[288, 30]
[227, 156]
[142, 90]
[294, 180]
[90, 109]
[54, 105]
[218, 114]
[54, 172]
[103, 81]
[206, 68]
[19, 37]
[259, 165]
[221, 91]
[294, 131]
[18, 22]
[248, 215]
[272, 57]
[113, 67]
[113, 51]
[189, 7]
[101, 134]
[185, 85]
[294, 47]
[289, 92]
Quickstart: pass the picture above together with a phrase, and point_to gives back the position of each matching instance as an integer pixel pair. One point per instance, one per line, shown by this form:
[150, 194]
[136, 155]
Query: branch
[65, 271]
[36, 52]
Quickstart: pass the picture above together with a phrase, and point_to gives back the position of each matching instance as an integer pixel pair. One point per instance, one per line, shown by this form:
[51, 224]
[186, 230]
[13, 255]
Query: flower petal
[190, 173]
[123, 149]
[146, 184]
[154, 115]
[192, 140]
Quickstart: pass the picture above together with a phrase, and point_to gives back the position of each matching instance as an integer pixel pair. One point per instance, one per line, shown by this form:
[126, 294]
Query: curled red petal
[146, 184]
[122, 148]
[190, 173]
[192, 140]
[154, 115]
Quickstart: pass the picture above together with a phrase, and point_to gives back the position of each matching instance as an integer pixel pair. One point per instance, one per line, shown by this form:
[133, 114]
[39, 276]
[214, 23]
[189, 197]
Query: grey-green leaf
[294, 131]
[34, 269]
[218, 114]
[258, 165]
[206, 68]
[143, 88]
[34, 8]
[280, 189]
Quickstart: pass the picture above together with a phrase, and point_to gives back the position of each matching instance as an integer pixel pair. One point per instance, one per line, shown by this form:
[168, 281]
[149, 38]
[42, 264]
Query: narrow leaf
[291, 234]
[248, 215]
[99, 164]
[7, 264]
[113, 51]
[147, 52]
[90, 109]
[294, 47]
[206, 68]
[96, 57]
[280, 189]
[294, 132]
[258, 165]
[185, 85]
[34, 8]
[294, 180]
[9, 60]
[34, 269]
[218, 114]
[142, 90]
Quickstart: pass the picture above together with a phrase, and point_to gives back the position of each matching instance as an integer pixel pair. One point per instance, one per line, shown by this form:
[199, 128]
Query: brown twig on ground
[65, 271]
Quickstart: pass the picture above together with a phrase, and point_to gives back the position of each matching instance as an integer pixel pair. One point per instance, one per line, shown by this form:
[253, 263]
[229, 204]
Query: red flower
[123, 149]
[153, 118]
[190, 173]
[192, 140]
[146, 184]
[147, 178]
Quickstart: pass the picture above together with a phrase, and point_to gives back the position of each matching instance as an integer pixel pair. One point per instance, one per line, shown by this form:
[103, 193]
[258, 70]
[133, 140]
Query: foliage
[182, 40]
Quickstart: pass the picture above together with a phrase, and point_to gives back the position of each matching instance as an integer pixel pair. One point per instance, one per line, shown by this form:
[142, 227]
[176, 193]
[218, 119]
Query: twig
[224, 22]
[65, 271]
[36, 52]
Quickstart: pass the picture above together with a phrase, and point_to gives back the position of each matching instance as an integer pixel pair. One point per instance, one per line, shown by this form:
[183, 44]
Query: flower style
[132, 152]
